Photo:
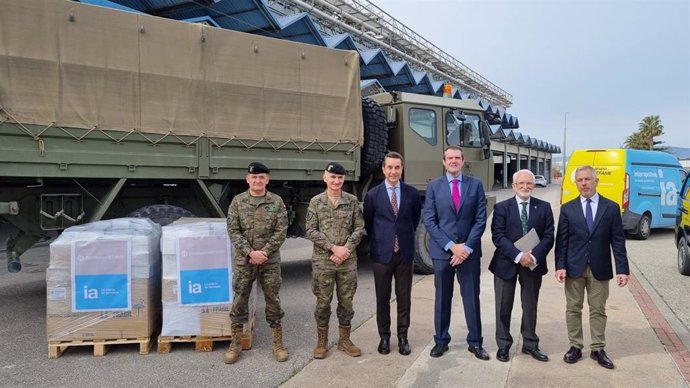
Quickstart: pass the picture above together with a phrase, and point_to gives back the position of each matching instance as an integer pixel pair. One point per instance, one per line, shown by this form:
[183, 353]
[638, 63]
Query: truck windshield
[462, 129]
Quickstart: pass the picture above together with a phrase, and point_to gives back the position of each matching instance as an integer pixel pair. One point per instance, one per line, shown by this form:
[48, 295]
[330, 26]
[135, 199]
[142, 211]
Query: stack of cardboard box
[197, 278]
[103, 281]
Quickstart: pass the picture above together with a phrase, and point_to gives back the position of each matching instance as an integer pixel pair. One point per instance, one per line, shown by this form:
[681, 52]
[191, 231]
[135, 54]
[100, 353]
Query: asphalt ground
[24, 361]
[24, 358]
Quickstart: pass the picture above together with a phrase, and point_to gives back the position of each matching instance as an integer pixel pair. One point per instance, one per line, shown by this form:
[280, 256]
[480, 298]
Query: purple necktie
[456, 195]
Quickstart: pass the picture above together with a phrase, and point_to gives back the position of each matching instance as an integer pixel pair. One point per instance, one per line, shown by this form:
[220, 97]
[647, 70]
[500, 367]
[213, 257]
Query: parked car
[540, 181]
[683, 228]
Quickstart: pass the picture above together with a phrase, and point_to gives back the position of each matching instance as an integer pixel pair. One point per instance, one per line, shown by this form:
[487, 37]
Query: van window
[462, 129]
[423, 123]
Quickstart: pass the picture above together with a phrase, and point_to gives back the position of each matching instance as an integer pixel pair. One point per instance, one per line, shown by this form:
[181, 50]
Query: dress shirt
[595, 205]
[397, 192]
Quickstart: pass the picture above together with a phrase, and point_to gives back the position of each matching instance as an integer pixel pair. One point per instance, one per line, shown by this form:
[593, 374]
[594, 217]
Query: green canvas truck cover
[68, 64]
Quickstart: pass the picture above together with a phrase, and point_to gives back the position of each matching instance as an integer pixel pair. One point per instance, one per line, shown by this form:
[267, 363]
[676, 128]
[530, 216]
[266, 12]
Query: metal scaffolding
[377, 29]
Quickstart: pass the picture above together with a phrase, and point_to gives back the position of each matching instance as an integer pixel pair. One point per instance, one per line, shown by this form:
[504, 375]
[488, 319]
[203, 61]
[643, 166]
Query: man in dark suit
[589, 230]
[455, 217]
[512, 219]
[391, 215]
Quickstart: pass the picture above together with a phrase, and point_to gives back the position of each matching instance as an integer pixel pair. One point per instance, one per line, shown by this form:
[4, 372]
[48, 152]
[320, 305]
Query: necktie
[523, 217]
[394, 205]
[589, 217]
[456, 195]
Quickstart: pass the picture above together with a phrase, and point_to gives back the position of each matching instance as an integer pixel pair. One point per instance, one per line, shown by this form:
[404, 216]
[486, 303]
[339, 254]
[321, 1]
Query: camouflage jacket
[326, 226]
[257, 226]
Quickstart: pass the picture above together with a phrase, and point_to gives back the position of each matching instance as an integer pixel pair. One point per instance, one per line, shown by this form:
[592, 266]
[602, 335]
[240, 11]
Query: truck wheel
[375, 136]
[363, 249]
[644, 227]
[683, 257]
[161, 214]
[422, 260]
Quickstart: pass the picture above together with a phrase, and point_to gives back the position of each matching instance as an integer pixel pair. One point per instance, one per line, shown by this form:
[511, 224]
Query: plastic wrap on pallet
[203, 241]
[103, 281]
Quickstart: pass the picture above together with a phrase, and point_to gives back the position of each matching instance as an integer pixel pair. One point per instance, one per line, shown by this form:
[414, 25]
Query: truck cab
[420, 127]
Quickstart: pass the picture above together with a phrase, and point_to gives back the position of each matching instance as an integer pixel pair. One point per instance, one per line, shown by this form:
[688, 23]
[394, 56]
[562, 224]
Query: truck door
[423, 149]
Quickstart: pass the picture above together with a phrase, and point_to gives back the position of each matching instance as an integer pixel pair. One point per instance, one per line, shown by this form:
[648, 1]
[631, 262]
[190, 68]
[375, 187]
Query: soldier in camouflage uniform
[335, 225]
[257, 225]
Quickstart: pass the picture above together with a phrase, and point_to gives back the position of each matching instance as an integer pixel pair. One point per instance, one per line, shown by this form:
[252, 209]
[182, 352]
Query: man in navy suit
[391, 215]
[589, 230]
[455, 217]
[513, 218]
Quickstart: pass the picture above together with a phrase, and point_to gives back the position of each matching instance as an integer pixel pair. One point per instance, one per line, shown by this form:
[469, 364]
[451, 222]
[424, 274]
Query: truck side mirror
[486, 133]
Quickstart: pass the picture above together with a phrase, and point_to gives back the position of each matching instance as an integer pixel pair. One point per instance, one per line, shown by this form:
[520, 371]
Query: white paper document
[527, 243]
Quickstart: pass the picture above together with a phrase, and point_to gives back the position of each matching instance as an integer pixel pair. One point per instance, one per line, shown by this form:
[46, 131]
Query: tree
[643, 139]
[635, 141]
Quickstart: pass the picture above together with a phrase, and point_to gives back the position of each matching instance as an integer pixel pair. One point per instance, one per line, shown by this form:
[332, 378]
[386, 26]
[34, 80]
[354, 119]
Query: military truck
[105, 114]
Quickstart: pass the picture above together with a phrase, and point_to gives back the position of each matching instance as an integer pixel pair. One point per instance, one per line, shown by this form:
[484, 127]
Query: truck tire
[375, 136]
[644, 227]
[363, 249]
[683, 257]
[161, 214]
[422, 259]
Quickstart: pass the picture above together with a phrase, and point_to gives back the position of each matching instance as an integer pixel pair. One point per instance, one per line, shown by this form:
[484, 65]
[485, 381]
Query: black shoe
[403, 346]
[438, 350]
[572, 355]
[602, 358]
[503, 354]
[536, 354]
[479, 352]
[385, 346]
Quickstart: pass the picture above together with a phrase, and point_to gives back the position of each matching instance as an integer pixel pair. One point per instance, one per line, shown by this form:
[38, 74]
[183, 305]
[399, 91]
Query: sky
[607, 63]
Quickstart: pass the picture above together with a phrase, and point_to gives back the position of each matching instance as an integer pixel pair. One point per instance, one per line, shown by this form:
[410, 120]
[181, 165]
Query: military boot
[235, 348]
[345, 344]
[279, 351]
[321, 348]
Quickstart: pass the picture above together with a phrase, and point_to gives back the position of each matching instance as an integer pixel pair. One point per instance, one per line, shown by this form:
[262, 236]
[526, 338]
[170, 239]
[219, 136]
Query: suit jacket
[382, 225]
[506, 228]
[576, 247]
[442, 222]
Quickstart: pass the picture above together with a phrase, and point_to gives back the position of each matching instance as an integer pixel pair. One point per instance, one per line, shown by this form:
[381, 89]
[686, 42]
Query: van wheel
[422, 259]
[683, 257]
[644, 227]
[161, 214]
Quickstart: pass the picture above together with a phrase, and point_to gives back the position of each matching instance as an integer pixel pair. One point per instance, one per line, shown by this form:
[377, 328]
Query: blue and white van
[645, 184]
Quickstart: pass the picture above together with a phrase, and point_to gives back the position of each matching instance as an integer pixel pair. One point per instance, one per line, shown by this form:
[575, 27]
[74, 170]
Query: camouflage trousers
[270, 280]
[326, 276]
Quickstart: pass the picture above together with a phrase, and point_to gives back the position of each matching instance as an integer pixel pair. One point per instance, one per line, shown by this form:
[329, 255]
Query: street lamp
[565, 127]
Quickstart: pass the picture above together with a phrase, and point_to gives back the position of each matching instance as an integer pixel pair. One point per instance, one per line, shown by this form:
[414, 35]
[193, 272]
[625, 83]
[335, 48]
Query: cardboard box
[103, 281]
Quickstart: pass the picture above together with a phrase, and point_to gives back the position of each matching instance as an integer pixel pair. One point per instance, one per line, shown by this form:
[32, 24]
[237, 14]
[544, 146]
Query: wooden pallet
[56, 348]
[201, 344]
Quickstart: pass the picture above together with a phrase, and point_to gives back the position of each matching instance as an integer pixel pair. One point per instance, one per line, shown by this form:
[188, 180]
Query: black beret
[336, 168]
[258, 168]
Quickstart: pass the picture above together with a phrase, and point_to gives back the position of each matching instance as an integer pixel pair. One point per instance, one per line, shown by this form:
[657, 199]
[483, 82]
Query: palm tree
[649, 128]
[635, 141]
